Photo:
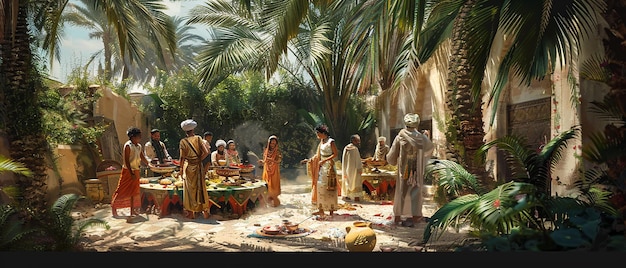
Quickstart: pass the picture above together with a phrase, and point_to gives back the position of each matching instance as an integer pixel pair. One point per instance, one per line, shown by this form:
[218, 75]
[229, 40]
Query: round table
[157, 198]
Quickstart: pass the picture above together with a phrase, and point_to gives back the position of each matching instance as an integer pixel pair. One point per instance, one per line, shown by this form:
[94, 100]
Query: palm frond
[450, 214]
[551, 152]
[451, 178]
[9, 165]
[518, 153]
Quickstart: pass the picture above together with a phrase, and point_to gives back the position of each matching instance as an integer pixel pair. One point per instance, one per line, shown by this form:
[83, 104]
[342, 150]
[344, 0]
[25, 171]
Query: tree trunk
[465, 130]
[19, 89]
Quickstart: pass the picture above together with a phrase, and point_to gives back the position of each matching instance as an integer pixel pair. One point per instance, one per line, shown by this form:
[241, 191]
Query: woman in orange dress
[127, 194]
[271, 169]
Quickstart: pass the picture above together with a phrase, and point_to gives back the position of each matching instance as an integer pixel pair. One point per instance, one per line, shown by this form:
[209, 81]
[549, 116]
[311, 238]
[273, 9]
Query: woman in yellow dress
[271, 169]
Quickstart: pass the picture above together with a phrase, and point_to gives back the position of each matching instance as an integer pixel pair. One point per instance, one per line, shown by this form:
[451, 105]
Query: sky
[76, 47]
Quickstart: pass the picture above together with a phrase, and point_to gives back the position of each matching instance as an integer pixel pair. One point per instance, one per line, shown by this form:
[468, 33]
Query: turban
[412, 120]
[219, 143]
[381, 138]
[188, 124]
[230, 141]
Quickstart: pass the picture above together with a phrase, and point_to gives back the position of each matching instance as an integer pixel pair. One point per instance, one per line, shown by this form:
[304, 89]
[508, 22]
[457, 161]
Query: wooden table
[378, 185]
[158, 199]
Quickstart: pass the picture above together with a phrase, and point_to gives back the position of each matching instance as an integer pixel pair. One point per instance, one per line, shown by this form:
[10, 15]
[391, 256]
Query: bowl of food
[271, 230]
[221, 162]
[227, 172]
[246, 168]
[290, 226]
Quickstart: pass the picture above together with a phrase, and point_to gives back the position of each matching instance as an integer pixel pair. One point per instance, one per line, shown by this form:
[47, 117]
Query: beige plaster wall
[123, 113]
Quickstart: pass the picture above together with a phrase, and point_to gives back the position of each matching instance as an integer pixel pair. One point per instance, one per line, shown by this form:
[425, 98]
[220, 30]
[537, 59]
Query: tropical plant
[20, 80]
[328, 42]
[451, 180]
[471, 26]
[523, 204]
[63, 228]
[55, 231]
[607, 148]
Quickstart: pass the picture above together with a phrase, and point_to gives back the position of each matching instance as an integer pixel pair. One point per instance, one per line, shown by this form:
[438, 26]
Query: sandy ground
[225, 232]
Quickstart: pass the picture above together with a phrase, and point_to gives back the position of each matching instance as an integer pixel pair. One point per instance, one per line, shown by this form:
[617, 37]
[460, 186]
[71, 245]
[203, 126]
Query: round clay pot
[360, 237]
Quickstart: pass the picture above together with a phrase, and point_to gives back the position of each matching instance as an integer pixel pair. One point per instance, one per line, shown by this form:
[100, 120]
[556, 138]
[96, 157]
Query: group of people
[410, 151]
[195, 159]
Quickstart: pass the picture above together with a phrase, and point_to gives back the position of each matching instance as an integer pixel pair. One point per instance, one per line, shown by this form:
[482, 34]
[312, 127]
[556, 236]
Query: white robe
[410, 151]
[351, 169]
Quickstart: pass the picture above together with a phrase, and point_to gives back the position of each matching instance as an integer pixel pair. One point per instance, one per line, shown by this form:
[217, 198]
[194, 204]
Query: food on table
[165, 182]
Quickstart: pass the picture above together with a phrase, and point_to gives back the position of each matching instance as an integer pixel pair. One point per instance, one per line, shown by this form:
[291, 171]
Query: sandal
[318, 213]
[190, 215]
[206, 214]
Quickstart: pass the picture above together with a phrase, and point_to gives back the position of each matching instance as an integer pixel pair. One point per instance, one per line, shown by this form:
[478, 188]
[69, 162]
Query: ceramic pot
[360, 237]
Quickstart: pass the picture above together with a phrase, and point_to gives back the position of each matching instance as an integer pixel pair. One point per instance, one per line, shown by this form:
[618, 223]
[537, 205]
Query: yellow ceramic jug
[360, 237]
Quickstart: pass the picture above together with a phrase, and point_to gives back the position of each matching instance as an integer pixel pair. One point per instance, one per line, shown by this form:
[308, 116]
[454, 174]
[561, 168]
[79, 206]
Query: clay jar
[360, 237]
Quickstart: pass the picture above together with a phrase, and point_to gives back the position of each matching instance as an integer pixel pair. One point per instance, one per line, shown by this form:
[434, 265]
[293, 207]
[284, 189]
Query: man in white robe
[410, 151]
[351, 169]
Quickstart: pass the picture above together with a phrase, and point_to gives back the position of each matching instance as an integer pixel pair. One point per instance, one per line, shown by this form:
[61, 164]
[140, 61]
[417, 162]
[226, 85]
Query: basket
[227, 172]
[246, 169]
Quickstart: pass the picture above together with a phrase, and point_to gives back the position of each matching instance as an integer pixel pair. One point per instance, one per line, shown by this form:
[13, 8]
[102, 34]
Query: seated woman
[232, 156]
[219, 154]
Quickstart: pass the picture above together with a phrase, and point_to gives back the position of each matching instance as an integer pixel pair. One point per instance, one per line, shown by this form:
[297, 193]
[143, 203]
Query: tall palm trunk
[19, 84]
[465, 131]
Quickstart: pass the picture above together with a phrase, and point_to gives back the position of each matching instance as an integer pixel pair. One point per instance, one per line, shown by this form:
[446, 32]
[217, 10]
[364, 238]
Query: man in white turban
[188, 124]
[192, 151]
[410, 151]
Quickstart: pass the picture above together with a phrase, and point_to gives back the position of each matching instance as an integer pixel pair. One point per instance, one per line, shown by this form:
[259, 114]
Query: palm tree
[20, 82]
[330, 47]
[19, 86]
[537, 50]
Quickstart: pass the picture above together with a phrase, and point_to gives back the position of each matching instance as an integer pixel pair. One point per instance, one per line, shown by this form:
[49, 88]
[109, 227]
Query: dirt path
[223, 232]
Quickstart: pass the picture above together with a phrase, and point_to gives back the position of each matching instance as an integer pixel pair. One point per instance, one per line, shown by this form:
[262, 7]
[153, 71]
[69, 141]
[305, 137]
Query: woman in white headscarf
[271, 169]
[219, 153]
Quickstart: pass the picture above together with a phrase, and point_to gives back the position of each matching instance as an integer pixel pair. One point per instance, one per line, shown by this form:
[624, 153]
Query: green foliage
[13, 235]
[451, 180]
[237, 101]
[55, 231]
[61, 227]
[65, 116]
[521, 214]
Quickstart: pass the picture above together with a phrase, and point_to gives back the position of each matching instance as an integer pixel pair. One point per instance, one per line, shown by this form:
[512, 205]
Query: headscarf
[411, 120]
[188, 124]
[219, 143]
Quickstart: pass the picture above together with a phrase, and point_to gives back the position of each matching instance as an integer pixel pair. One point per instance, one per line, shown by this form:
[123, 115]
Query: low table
[379, 185]
[157, 198]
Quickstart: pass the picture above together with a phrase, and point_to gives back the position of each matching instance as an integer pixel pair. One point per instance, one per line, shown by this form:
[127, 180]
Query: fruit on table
[165, 181]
